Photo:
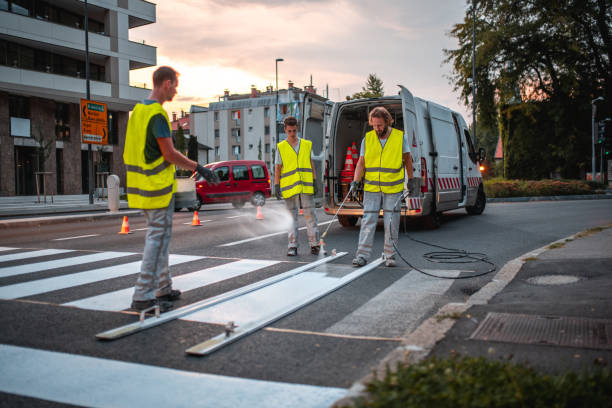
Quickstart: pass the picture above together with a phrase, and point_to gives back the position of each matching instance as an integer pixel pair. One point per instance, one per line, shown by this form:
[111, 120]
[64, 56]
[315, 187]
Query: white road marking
[60, 263]
[267, 236]
[139, 229]
[96, 382]
[32, 254]
[6, 249]
[238, 216]
[80, 236]
[66, 281]
[120, 299]
[397, 309]
[201, 221]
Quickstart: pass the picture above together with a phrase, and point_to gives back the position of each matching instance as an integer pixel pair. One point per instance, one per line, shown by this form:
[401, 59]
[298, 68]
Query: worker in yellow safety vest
[150, 157]
[296, 183]
[385, 153]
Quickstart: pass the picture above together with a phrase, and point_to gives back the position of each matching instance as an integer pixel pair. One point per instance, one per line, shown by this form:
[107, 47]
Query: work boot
[292, 252]
[390, 262]
[315, 249]
[359, 261]
[174, 294]
[140, 305]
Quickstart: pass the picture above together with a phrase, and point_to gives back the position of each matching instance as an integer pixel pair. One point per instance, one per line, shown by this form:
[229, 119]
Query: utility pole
[593, 115]
[89, 152]
[474, 68]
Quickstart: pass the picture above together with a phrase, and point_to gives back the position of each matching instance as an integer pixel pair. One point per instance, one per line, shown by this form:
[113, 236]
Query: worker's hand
[414, 186]
[315, 188]
[353, 188]
[208, 175]
[277, 192]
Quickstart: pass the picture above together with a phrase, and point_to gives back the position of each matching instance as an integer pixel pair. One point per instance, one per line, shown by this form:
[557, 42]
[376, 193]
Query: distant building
[42, 79]
[243, 126]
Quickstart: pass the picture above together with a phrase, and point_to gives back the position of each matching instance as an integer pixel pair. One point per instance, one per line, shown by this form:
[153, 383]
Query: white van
[442, 152]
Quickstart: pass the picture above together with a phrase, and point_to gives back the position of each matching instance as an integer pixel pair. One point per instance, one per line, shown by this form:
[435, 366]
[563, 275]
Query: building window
[236, 150]
[23, 7]
[217, 151]
[216, 133]
[250, 111]
[62, 119]
[266, 112]
[44, 10]
[250, 128]
[235, 115]
[4, 5]
[267, 147]
[236, 132]
[266, 130]
[216, 116]
[19, 113]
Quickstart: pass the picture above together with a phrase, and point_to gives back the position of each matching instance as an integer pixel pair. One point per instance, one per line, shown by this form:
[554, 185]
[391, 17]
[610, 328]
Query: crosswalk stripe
[60, 263]
[81, 278]
[408, 299]
[96, 382]
[32, 254]
[120, 299]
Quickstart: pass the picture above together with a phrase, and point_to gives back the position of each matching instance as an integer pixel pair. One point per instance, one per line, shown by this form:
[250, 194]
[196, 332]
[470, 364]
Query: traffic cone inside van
[259, 213]
[355, 153]
[346, 175]
[125, 226]
[196, 220]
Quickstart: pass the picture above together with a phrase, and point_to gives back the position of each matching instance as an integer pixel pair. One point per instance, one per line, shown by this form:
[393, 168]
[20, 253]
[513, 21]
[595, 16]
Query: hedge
[531, 188]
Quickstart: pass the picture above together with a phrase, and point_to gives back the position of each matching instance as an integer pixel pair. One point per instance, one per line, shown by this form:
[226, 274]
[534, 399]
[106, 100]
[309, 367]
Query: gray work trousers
[154, 278]
[293, 206]
[371, 211]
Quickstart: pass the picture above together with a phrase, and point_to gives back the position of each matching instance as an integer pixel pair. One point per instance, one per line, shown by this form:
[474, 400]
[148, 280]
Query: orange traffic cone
[259, 214]
[125, 226]
[355, 153]
[196, 220]
[346, 175]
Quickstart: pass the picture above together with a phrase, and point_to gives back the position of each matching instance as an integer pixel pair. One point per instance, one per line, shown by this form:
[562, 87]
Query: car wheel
[347, 220]
[479, 205]
[238, 204]
[258, 199]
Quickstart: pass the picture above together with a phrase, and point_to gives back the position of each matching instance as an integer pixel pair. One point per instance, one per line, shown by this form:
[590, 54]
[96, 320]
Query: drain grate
[545, 330]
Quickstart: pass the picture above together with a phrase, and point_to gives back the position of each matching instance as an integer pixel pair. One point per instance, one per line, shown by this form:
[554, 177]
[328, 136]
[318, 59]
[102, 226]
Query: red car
[241, 181]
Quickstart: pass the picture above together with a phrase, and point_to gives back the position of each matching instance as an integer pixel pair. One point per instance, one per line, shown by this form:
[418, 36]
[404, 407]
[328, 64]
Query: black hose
[449, 256]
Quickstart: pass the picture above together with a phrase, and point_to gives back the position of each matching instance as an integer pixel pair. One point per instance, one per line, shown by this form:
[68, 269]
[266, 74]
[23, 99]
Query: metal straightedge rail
[145, 324]
[233, 333]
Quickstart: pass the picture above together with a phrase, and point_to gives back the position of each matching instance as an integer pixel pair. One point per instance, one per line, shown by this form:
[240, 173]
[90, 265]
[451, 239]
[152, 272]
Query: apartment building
[243, 126]
[42, 79]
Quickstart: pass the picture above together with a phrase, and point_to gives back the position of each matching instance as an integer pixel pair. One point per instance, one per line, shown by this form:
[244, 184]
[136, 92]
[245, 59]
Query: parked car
[241, 181]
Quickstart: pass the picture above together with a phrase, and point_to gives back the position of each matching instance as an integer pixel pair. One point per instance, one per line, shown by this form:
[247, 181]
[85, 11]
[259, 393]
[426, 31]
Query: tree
[180, 143]
[45, 145]
[372, 89]
[192, 148]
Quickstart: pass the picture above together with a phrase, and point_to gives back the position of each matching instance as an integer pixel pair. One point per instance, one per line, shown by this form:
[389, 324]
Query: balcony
[141, 12]
[139, 54]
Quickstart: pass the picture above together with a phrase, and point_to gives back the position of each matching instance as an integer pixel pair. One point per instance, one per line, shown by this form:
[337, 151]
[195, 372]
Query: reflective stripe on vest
[384, 169]
[149, 185]
[296, 176]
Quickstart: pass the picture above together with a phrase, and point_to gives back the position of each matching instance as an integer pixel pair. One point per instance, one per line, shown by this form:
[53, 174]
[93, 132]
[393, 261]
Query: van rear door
[446, 142]
[313, 128]
[411, 130]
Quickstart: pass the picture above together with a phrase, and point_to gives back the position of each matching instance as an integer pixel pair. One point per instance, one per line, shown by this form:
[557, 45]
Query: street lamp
[277, 112]
[594, 113]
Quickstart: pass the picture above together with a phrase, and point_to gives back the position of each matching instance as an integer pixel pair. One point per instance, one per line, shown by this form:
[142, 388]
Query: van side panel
[313, 129]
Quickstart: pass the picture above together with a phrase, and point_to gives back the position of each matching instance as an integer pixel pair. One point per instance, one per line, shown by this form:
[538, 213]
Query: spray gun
[321, 242]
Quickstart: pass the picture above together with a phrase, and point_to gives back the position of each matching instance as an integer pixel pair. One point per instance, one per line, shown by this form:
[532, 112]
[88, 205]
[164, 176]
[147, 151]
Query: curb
[416, 345]
[59, 219]
[549, 198]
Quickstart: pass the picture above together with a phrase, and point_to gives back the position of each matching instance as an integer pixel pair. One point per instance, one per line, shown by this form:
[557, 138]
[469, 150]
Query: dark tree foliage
[553, 55]
[179, 140]
[373, 89]
[192, 148]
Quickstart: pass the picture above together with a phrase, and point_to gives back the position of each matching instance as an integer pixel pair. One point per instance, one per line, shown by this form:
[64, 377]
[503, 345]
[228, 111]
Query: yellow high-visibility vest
[384, 169]
[149, 185]
[296, 176]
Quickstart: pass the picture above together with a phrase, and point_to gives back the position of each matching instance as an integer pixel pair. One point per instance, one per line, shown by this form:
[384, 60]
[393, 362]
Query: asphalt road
[319, 350]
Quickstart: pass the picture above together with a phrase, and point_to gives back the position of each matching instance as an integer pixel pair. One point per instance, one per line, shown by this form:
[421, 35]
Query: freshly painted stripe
[33, 254]
[340, 336]
[267, 235]
[96, 382]
[66, 281]
[80, 236]
[139, 229]
[201, 221]
[120, 299]
[60, 263]
[7, 249]
[403, 304]
[238, 216]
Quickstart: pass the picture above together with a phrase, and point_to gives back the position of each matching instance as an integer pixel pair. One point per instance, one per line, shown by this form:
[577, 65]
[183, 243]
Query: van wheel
[479, 205]
[238, 204]
[347, 220]
[258, 199]
[433, 220]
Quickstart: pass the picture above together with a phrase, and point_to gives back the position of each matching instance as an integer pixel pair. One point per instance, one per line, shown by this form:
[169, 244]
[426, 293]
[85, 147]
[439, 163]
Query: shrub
[478, 382]
[530, 188]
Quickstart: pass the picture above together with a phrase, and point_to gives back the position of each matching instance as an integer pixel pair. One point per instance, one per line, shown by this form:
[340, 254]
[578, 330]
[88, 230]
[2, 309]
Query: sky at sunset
[222, 44]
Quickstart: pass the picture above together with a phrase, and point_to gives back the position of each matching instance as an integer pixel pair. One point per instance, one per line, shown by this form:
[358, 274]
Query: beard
[383, 132]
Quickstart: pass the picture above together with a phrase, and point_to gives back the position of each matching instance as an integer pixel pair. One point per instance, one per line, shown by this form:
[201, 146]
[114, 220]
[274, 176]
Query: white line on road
[238, 216]
[60, 263]
[267, 236]
[201, 221]
[32, 254]
[120, 299]
[96, 382]
[139, 229]
[74, 279]
[80, 236]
